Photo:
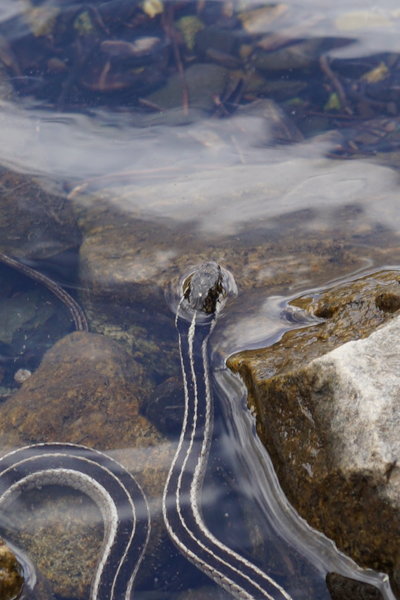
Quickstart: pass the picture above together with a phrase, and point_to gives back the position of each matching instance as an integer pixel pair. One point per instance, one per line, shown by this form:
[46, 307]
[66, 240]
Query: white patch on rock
[357, 396]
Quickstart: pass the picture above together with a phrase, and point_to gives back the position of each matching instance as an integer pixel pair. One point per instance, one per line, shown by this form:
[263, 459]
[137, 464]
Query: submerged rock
[204, 82]
[343, 588]
[11, 579]
[119, 258]
[85, 391]
[327, 404]
[298, 55]
[34, 223]
[204, 593]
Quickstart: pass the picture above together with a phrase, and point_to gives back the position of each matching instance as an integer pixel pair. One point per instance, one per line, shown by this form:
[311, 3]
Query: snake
[114, 490]
[77, 314]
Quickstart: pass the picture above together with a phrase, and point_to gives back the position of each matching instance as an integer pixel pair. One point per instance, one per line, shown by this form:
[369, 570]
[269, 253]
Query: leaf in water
[377, 74]
[257, 20]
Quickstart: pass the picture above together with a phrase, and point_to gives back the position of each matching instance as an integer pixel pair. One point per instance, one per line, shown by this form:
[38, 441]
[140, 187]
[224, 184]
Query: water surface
[281, 164]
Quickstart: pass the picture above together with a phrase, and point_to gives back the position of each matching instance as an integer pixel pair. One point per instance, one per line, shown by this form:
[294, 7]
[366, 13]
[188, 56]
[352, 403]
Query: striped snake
[119, 497]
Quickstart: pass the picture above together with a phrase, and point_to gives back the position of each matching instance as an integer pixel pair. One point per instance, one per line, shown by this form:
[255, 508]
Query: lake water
[264, 137]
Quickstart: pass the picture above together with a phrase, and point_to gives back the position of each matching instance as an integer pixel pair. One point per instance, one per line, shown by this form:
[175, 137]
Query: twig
[325, 66]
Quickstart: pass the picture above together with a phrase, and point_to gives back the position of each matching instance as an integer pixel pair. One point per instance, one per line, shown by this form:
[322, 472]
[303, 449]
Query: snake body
[77, 314]
[119, 497]
[116, 493]
[181, 502]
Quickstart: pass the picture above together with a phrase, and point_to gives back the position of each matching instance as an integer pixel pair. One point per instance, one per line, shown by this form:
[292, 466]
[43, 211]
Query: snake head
[207, 287]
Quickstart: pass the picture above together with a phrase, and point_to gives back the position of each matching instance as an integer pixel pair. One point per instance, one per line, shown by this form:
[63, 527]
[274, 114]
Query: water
[282, 164]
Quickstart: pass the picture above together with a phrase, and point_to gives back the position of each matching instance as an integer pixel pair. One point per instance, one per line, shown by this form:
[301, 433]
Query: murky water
[138, 140]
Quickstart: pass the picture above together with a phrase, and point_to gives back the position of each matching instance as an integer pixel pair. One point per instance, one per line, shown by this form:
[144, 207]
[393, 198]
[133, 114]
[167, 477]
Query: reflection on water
[172, 132]
[178, 177]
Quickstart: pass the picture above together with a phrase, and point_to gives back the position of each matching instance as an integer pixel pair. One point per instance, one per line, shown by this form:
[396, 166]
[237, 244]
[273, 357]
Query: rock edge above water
[327, 401]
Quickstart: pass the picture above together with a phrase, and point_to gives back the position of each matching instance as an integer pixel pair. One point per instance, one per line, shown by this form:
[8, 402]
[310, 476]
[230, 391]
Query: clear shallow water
[226, 183]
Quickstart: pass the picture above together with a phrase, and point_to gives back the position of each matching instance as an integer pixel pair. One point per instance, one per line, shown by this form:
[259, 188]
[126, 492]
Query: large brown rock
[85, 391]
[327, 403]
